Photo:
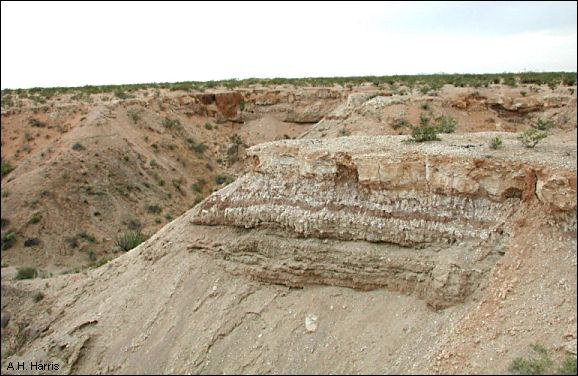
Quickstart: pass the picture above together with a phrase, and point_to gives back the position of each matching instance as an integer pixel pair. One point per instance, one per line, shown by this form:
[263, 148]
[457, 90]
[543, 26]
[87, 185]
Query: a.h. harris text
[32, 366]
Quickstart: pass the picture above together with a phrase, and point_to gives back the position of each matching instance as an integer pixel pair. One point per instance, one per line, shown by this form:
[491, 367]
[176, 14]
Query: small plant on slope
[130, 240]
[495, 143]
[531, 137]
[424, 131]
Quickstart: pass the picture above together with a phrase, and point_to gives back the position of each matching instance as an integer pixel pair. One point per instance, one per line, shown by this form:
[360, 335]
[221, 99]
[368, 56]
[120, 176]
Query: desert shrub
[134, 115]
[31, 242]
[569, 81]
[236, 139]
[177, 183]
[531, 137]
[28, 137]
[99, 263]
[571, 91]
[445, 124]
[72, 242]
[36, 123]
[424, 120]
[200, 148]
[424, 131]
[242, 105]
[495, 143]
[543, 125]
[36, 217]
[523, 93]
[400, 123]
[220, 179]
[7, 240]
[6, 168]
[4, 222]
[26, 273]
[422, 134]
[169, 123]
[198, 186]
[78, 147]
[553, 84]
[158, 179]
[153, 209]
[130, 240]
[344, 132]
[208, 126]
[122, 95]
[169, 217]
[7, 101]
[38, 297]
[86, 236]
[425, 106]
[510, 81]
[232, 151]
[538, 364]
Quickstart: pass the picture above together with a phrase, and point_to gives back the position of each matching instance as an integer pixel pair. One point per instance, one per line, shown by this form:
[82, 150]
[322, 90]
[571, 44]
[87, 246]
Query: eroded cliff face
[436, 220]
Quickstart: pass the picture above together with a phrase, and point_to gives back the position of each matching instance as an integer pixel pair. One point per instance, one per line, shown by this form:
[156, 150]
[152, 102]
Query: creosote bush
[78, 147]
[540, 363]
[134, 115]
[154, 209]
[38, 297]
[531, 137]
[170, 123]
[6, 168]
[543, 125]
[445, 124]
[220, 179]
[495, 143]
[400, 123]
[130, 240]
[31, 242]
[36, 217]
[36, 123]
[7, 240]
[198, 186]
[26, 273]
[424, 131]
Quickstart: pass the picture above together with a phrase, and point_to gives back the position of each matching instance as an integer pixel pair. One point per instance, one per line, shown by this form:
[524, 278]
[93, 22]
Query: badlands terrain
[291, 227]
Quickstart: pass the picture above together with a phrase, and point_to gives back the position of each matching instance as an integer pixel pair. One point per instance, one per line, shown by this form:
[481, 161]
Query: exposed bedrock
[420, 206]
[442, 275]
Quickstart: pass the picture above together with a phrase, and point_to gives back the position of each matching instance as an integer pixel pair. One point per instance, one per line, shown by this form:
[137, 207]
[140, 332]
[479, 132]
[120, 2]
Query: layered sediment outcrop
[445, 212]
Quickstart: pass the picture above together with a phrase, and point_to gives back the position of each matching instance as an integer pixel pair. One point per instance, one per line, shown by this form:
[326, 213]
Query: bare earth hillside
[321, 240]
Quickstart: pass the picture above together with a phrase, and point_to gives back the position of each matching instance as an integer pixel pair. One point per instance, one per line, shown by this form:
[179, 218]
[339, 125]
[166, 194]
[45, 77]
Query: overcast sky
[76, 44]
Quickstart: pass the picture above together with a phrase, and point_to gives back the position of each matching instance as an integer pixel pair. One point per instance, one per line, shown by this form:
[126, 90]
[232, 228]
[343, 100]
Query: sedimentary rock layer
[382, 195]
[429, 220]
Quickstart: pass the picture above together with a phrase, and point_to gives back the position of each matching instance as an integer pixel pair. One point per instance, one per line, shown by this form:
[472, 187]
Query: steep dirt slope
[291, 269]
[105, 174]
[88, 170]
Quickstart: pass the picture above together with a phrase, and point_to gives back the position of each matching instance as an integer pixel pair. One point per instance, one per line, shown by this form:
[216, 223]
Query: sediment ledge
[381, 190]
